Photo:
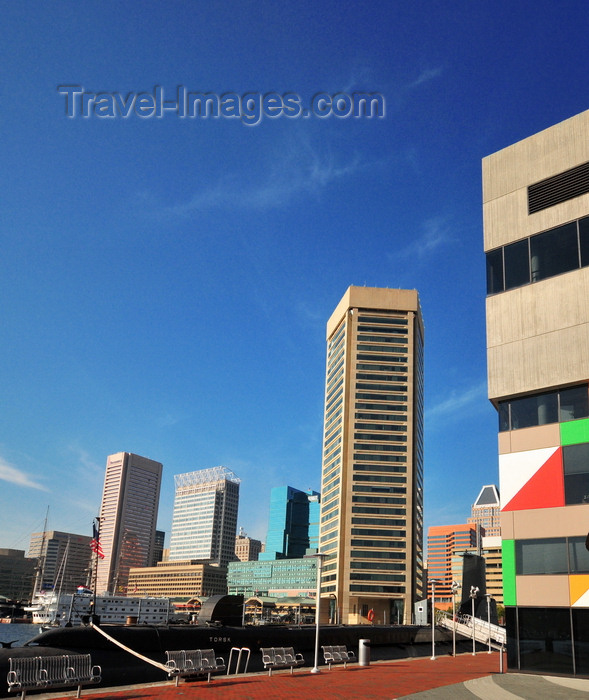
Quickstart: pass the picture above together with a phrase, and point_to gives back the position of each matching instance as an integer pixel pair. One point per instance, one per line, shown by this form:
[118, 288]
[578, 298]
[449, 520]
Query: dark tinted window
[517, 267]
[543, 556]
[544, 640]
[534, 410]
[554, 252]
[581, 636]
[574, 403]
[504, 416]
[578, 556]
[495, 271]
[584, 241]
[576, 473]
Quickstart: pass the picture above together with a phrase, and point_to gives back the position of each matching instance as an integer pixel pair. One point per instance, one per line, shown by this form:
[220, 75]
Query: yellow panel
[579, 585]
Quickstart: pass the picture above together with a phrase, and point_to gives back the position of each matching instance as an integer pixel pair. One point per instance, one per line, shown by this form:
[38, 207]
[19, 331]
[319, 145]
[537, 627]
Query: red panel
[544, 490]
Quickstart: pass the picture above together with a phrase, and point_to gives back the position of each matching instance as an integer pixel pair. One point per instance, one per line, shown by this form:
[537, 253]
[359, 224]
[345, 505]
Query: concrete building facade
[178, 579]
[204, 521]
[64, 560]
[536, 240]
[128, 517]
[17, 574]
[371, 529]
[247, 548]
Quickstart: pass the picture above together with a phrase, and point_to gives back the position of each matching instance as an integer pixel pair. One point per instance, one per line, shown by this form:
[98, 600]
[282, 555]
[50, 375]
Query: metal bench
[45, 672]
[337, 655]
[281, 657]
[194, 662]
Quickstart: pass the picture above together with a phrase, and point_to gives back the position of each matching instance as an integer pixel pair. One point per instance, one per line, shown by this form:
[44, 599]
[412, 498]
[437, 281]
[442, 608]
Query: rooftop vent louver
[558, 188]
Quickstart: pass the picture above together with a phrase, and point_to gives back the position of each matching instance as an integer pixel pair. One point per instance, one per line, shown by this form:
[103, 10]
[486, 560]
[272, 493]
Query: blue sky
[165, 282]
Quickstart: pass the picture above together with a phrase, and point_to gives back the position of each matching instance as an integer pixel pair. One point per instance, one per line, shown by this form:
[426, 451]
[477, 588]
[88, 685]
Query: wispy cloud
[302, 170]
[457, 402]
[435, 233]
[425, 76]
[16, 476]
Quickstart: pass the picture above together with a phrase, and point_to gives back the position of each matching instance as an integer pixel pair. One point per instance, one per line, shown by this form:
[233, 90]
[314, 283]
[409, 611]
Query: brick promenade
[384, 680]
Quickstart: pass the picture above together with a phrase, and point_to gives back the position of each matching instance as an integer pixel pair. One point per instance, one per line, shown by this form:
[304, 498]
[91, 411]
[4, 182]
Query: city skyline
[165, 282]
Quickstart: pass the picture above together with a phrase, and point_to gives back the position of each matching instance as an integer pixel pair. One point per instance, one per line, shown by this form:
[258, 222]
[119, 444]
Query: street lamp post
[433, 582]
[320, 557]
[473, 594]
[488, 596]
[455, 587]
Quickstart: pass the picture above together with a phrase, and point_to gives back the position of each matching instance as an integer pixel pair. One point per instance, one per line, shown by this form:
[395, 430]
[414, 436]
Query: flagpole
[97, 549]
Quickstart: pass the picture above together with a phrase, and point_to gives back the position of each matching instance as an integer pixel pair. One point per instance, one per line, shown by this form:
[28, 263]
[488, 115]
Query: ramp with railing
[484, 632]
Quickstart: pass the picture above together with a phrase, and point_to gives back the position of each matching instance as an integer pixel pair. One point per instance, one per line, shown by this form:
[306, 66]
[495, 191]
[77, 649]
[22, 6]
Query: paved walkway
[466, 677]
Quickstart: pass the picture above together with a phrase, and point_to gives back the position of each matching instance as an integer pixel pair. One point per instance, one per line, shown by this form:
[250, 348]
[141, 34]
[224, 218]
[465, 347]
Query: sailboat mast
[40, 570]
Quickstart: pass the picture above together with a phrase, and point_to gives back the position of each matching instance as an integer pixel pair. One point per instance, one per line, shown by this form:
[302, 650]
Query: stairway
[482, 629]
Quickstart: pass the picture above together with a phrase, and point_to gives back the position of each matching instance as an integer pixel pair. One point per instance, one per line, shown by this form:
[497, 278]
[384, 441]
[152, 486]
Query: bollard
[364, 652]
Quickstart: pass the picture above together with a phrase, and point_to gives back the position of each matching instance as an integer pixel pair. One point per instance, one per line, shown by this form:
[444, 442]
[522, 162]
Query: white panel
[583, 601]
[517, 468]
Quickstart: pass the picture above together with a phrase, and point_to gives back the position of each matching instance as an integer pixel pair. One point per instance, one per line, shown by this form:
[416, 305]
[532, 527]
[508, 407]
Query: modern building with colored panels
[293, 523]
[485, 511]
[204, 521]
[371, 530]
[128, 517]
[536, 233]
[443, 543]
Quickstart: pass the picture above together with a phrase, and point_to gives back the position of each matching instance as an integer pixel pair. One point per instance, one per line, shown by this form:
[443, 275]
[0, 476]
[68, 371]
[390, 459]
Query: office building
[281, 577]
[443, 543]
[64, 560]
[204, 522]
[247, 548]
[17, 575]
[158, 547]
[485, 511]
[128, 517]
[178, 579]
[371, 529]
[293, 522]
[536, 240]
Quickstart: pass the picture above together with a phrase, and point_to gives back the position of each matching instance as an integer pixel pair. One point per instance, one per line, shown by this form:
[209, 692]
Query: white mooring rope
[135, 653]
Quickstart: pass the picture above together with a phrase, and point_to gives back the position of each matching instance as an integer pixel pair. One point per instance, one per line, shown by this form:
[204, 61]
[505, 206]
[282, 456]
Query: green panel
[574, 432]
[508, 556]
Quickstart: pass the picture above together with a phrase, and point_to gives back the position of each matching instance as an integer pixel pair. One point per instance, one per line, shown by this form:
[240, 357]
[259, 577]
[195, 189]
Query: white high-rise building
[128, 517]
[204, 523]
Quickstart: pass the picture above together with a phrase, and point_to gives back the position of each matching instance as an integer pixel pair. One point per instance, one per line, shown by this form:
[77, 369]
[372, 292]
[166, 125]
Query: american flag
[95, 545]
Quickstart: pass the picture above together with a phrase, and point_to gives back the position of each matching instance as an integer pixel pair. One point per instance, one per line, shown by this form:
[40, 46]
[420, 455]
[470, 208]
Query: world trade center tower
[371, 529]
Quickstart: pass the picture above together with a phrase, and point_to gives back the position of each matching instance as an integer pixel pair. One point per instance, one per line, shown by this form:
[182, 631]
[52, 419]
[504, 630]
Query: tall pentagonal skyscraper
[204, 523]
[128, 518]
[372, 482]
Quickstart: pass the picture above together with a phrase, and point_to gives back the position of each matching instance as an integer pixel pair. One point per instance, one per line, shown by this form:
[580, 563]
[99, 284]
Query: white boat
[70, 609]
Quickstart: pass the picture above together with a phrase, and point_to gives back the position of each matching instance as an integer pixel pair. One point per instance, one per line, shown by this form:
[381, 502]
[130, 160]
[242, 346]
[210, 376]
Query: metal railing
[483, 631]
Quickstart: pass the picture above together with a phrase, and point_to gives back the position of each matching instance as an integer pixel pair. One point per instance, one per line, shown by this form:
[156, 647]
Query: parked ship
[73, 609]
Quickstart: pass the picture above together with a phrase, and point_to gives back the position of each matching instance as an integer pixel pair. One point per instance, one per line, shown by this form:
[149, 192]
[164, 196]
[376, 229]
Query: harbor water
[17, 633]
